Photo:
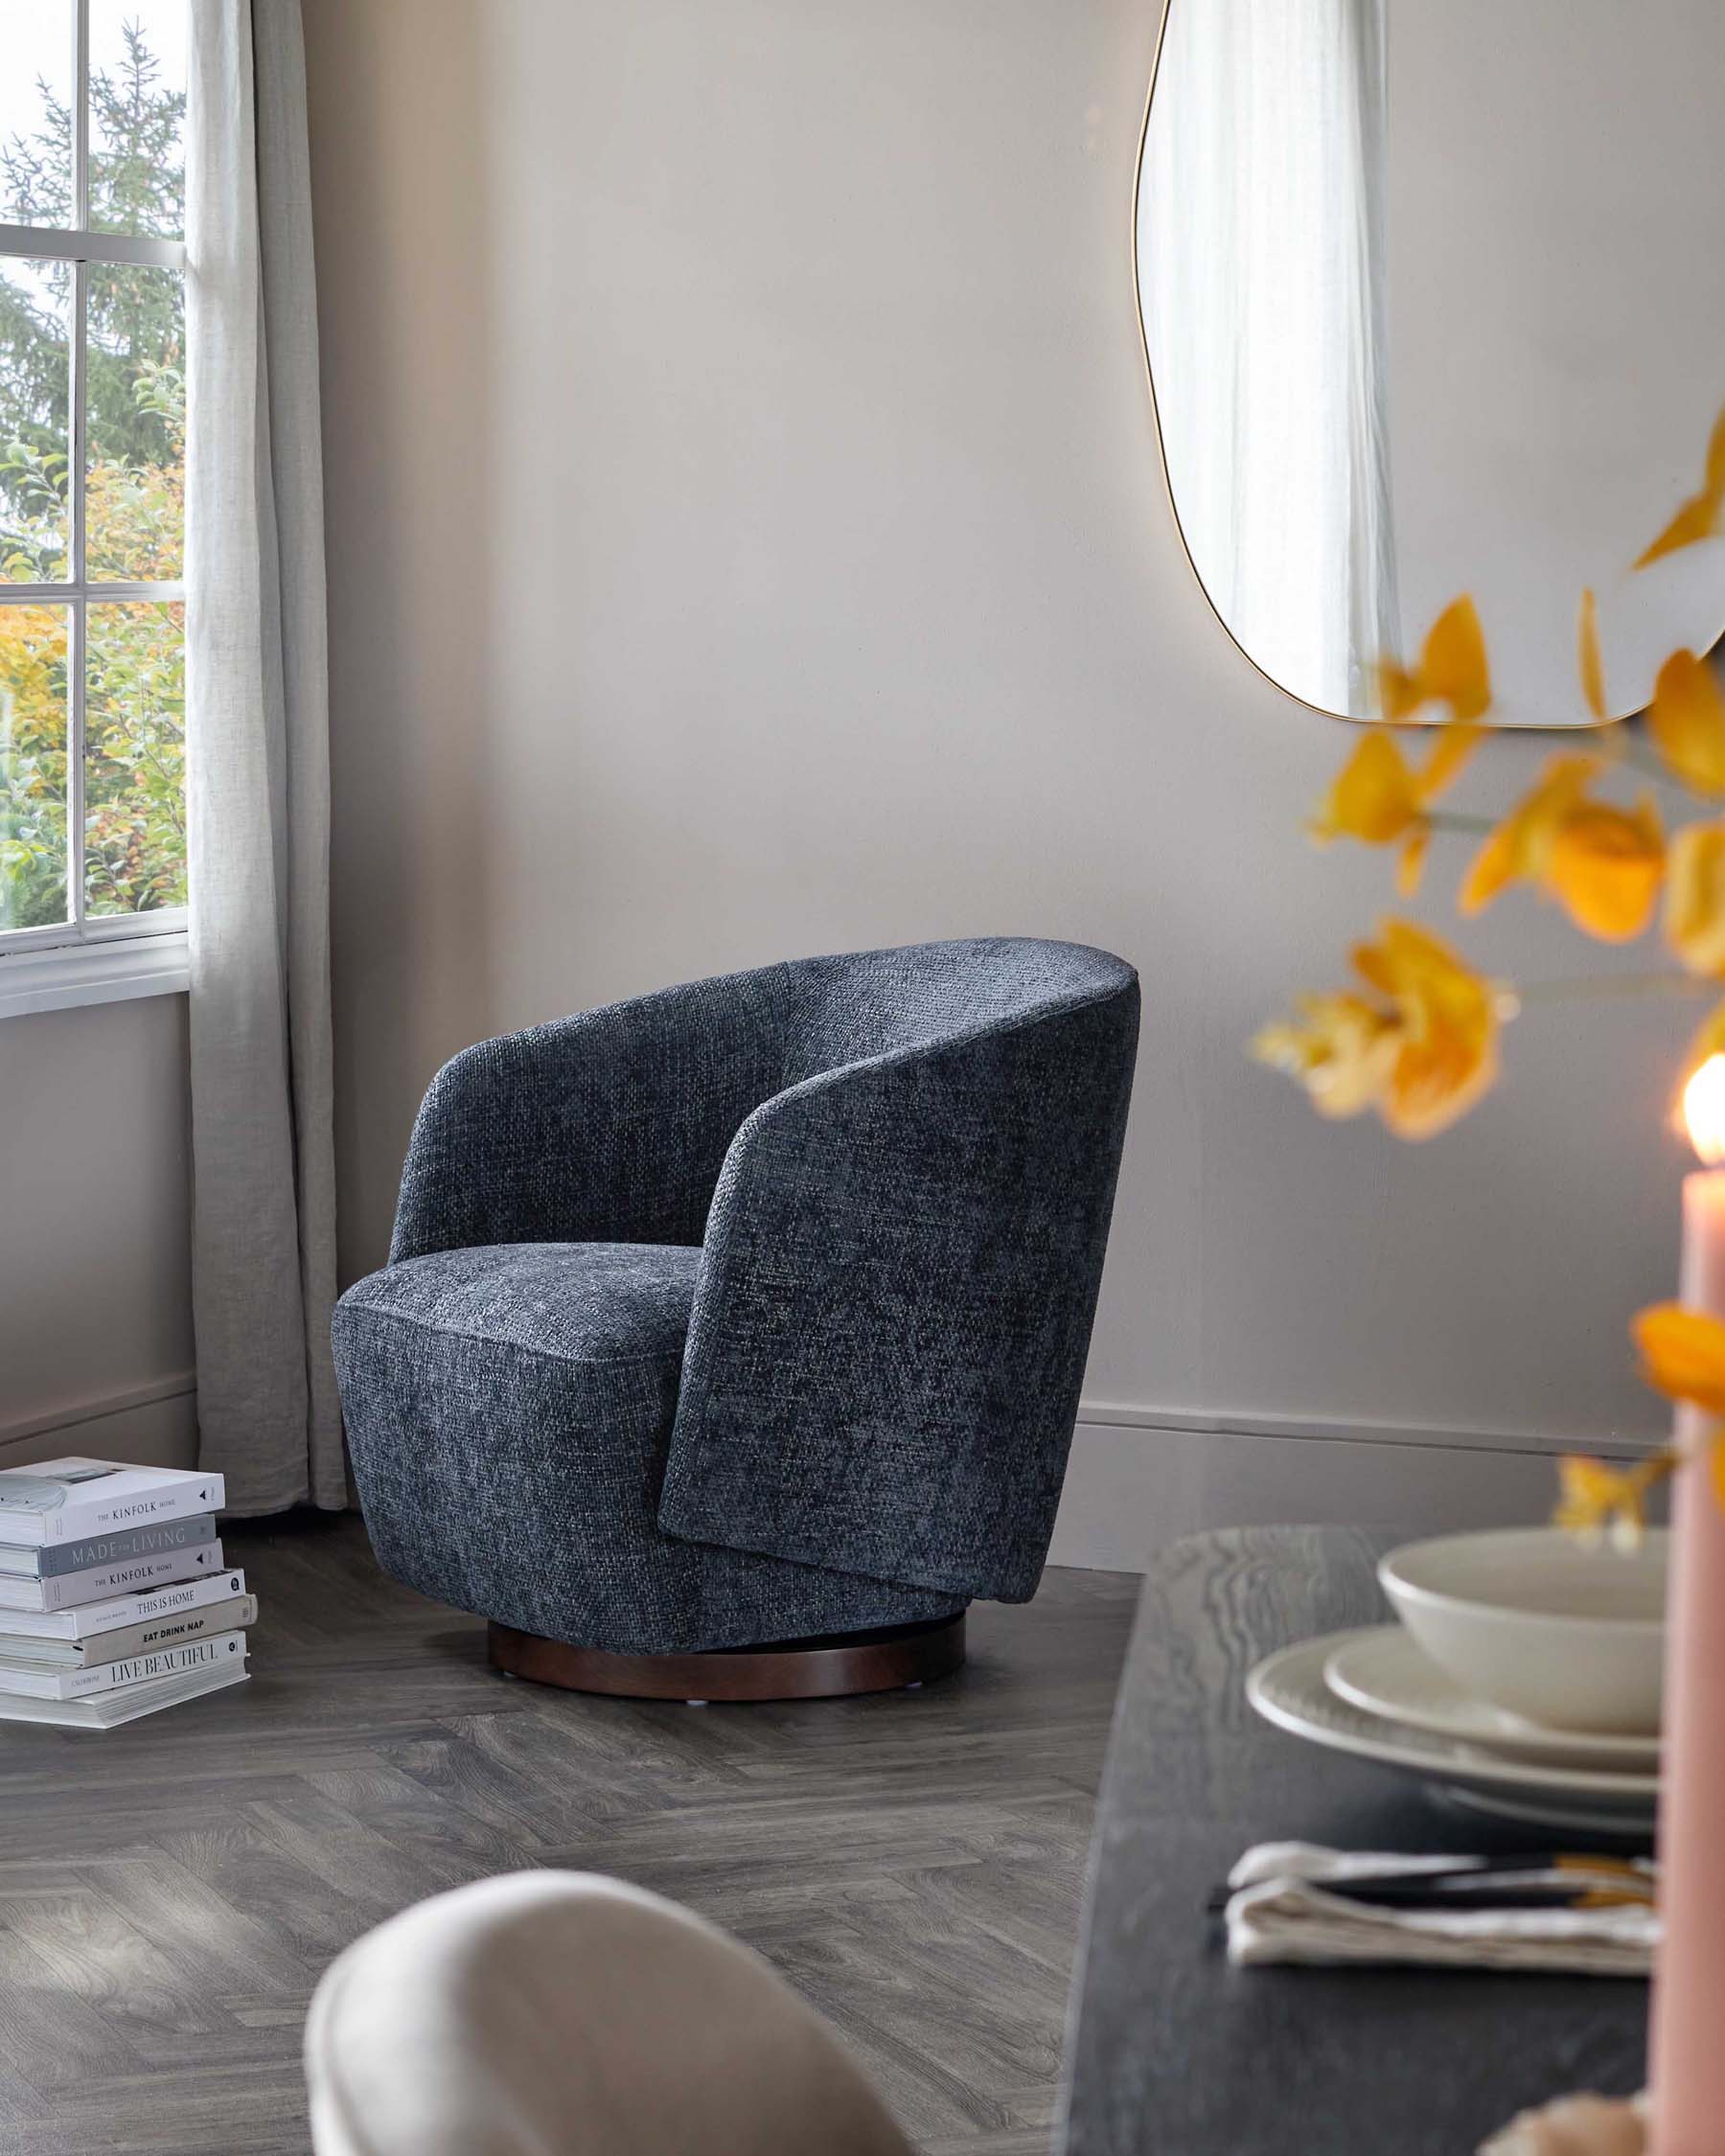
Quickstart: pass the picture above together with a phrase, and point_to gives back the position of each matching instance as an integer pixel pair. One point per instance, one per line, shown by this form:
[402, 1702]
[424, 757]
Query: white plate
[1289, 1689]
[1388, 1673]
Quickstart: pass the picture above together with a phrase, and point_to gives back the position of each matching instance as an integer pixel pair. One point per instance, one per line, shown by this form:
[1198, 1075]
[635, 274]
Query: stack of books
[115, 1600]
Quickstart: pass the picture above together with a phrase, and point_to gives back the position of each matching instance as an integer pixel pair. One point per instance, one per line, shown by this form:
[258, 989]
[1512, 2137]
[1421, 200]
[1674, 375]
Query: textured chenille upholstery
[751, 1310]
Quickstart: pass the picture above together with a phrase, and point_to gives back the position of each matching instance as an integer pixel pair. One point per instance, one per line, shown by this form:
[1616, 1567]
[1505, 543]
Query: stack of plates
[1379, 1695]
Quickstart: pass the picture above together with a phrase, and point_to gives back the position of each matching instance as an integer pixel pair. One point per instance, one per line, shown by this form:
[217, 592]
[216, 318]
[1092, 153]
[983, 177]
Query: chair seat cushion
[582, 1302]
[509, 1410]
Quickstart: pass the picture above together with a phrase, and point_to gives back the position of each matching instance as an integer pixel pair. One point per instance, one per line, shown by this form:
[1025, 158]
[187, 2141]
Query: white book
[235, 1613]
[106, 1709]
[43, 1560]
[31, 1680]
[61, 1499]
[65, 1591]
[85, 1620]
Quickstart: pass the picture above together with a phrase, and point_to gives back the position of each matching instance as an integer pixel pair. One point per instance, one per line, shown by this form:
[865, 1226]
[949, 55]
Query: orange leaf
[1519, 849]
[1683, 1354]
[1374, 797]
[1452, 668]
[1605, 868]
[1592, 665]
[1455, 744]
[1694, 901]
[1686, 720]
[1412, 865]
[1699, 518]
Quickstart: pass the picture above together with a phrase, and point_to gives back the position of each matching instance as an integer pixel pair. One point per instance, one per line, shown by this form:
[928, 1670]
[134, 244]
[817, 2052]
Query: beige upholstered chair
[557, 2013]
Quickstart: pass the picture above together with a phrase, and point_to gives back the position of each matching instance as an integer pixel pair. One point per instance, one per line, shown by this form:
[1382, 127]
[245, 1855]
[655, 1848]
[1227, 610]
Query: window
[92, 462]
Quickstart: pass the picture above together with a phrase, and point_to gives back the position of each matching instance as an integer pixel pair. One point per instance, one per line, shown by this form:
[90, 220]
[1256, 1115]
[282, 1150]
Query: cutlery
[1557, 1880]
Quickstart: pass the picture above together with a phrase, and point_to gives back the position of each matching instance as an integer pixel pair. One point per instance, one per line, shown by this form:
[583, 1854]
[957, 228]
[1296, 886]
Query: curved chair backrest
[901, 1268]
[555, 2013]
[845, 1009]
[612, 1125]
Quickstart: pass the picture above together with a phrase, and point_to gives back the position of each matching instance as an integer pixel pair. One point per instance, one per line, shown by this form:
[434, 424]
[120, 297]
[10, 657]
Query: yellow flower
[1686, 719]
[1602, 864]
[1607, 866]
[1341, 1051]
[1699, 518]
[1519, 849]
[1598, 1499]
[1378, 797]
[1452, 668]
[1683, 1356]
[1592, 665]
[1449, 1025]
[1420, 1048]
[1694, 901]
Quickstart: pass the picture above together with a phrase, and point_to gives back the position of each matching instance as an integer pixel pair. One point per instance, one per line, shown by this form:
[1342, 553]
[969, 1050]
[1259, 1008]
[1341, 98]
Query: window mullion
[77, 424]
[77, 623]
[80, 115]
[77, 631]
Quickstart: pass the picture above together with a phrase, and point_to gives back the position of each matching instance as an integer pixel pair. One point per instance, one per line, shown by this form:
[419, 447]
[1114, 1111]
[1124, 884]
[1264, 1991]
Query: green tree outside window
[134, 403]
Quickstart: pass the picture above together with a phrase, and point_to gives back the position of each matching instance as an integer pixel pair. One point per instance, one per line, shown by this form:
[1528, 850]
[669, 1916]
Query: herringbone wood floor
[169, 1891]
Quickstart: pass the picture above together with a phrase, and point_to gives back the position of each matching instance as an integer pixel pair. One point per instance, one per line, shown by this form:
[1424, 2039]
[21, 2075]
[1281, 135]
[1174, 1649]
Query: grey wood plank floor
[171, 1891]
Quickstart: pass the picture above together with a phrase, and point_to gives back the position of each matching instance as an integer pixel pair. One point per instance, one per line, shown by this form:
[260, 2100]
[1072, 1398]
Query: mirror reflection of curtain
[1261, 265]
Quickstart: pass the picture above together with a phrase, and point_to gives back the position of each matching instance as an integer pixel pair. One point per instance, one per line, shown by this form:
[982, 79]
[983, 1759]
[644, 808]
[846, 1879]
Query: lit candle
[1688, 2047]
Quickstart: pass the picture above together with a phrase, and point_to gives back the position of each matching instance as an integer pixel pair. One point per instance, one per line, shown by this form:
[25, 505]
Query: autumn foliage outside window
[112, 535]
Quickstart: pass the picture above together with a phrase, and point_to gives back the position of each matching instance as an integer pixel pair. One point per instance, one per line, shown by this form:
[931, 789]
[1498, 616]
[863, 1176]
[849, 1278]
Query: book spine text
[56, 1558]
[130, 1640]
[69, 1589]
[138, 1670]
[99, 1514]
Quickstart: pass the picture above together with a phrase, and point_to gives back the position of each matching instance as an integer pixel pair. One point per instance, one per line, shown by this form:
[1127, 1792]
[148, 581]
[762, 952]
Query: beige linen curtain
[264, 1209]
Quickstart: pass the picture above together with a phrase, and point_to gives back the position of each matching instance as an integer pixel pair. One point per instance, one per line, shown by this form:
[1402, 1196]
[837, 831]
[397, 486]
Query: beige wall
[747, 537]
[95, 1286]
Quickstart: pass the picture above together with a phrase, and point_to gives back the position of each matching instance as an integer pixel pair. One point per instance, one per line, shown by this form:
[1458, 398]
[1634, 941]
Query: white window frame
[89, 958]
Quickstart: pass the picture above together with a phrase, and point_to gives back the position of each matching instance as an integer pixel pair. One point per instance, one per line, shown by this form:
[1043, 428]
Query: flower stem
[1606, 987]
[1636, 754]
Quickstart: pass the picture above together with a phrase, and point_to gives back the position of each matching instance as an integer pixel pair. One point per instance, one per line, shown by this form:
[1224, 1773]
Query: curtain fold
[1262, 268]
[257, 756]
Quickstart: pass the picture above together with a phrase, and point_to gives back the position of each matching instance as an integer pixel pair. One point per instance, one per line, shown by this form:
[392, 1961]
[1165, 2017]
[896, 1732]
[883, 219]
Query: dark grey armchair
[748, 1314]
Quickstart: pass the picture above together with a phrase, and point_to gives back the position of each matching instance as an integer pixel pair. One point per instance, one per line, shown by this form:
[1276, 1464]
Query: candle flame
[1704, 1111]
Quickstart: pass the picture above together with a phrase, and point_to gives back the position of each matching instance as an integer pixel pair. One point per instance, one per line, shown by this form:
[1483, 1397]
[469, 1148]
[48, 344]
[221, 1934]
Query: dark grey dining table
[1175, 2052]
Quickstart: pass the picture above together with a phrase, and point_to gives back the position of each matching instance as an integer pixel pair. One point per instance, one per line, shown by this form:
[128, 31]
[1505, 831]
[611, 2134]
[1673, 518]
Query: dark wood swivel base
[830, 1668]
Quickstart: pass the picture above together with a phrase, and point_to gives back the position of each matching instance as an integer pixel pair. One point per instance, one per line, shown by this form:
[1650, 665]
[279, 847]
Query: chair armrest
[608, 1127]
[895, 1304]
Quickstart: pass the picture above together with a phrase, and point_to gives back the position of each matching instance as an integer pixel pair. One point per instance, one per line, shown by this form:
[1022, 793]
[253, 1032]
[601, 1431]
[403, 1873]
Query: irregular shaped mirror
[1434, 302]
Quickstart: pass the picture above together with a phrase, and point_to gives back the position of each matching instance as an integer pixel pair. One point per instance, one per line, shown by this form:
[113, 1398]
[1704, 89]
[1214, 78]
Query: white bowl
[1569, 1636]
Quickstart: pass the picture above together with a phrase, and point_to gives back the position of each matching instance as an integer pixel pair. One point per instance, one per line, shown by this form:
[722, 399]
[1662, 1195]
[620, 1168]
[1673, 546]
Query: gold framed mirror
[1433, 300]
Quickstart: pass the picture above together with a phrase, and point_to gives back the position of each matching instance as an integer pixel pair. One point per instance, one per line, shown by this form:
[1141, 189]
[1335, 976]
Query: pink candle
[1687, 2035]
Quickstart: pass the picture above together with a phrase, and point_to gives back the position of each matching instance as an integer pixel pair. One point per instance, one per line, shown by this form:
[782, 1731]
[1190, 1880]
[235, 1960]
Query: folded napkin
[1279, 1912]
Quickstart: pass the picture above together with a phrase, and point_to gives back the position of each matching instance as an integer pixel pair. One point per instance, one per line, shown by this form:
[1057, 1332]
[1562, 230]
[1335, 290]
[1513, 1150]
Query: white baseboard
[1133, 1487]
[1139, 1478]
[1447, 1437]
[154, 1424]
